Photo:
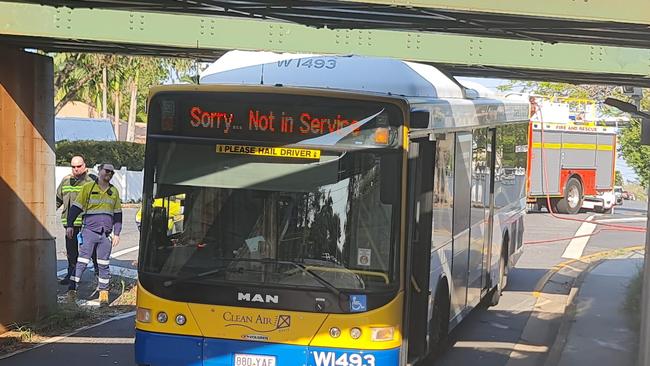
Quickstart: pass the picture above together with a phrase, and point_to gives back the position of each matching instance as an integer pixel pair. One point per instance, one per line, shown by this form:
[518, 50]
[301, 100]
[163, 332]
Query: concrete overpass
[588, 42]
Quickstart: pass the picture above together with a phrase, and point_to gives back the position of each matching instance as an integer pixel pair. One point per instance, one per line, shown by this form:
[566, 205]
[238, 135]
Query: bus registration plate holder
[242, 359]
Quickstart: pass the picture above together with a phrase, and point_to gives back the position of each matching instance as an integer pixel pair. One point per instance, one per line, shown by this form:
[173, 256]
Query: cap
[108, 167]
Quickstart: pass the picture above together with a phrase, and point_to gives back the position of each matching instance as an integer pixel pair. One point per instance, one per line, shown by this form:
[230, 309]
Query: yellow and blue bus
[336, 211]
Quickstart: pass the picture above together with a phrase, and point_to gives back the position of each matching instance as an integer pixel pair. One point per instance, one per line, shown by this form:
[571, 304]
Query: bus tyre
[572, 200]
[502, 279]
[439, 323]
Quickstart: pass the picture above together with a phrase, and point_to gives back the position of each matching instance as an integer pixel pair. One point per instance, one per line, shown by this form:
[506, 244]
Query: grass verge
[64, 319]
[632, 305]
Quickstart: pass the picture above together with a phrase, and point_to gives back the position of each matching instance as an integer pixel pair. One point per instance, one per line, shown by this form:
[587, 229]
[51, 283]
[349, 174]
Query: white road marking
[627, 219]
[115, 270]
[498, 325]
[63, 337]
[501, 345]
[96, 340]
[124, 251]
[577, 245]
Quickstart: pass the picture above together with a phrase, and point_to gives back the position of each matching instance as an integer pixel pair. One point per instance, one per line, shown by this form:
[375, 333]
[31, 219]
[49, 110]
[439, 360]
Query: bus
[335, 211]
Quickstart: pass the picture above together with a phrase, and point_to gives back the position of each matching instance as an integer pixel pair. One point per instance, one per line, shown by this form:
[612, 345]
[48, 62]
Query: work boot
[65, 280]
[103, 298]
[72, 296]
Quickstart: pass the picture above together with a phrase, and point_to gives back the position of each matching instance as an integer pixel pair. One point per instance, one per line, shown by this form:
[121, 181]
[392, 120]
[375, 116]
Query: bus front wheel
[502, 278]
[440, 322]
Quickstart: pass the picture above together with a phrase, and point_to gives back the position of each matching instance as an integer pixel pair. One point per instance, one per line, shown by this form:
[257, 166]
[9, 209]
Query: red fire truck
[571, 157]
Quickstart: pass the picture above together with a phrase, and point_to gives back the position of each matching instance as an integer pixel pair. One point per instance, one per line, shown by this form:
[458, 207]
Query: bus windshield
[255, 220]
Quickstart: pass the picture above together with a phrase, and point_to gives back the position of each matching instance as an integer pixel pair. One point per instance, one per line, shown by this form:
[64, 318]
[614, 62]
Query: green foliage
[632, 304]
[118, 153]
[635, 155]
[618, 180]
[78, 76]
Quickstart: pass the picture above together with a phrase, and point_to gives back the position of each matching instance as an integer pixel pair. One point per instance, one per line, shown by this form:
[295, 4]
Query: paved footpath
[600, 333]
[107, 345]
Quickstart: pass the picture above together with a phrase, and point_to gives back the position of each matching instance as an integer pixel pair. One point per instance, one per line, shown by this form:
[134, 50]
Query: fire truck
[571, 156]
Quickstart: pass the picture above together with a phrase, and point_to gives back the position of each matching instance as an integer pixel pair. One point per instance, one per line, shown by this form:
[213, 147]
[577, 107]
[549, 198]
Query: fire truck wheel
[572, 200]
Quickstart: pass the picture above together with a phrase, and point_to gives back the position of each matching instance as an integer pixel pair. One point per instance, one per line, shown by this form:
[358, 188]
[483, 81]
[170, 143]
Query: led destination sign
[269, 121]
[279, 118]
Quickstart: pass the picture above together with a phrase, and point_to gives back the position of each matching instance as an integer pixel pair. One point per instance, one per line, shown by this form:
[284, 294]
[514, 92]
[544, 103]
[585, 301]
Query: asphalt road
[487, 337]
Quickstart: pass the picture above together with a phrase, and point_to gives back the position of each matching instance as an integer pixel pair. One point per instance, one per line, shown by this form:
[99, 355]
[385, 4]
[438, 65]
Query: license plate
[253, 360]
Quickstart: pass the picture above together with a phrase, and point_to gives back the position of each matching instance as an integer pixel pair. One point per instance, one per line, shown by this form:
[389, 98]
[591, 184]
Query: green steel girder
[61, 29]
[621, 11]
[572, 21]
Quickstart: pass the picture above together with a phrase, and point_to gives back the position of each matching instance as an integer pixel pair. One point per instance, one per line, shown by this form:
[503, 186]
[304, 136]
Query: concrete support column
[27, 202]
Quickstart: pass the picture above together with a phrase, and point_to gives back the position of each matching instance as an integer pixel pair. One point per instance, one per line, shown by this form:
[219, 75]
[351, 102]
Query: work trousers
[93, 241]
[72, 252]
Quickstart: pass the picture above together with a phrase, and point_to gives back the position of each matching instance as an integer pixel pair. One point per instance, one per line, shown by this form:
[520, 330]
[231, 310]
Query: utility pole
[644, 337]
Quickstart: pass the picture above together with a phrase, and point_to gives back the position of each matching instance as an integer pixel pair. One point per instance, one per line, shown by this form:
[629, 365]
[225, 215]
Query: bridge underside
[206, 37]
[558, 21]
[209, 55]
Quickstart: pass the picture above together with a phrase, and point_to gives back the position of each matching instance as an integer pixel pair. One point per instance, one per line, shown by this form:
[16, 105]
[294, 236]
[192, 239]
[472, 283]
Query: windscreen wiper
[211, 272]
[318, 278]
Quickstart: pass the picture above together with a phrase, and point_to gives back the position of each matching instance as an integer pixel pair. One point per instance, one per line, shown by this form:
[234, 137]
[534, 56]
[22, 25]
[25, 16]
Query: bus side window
[510, 164]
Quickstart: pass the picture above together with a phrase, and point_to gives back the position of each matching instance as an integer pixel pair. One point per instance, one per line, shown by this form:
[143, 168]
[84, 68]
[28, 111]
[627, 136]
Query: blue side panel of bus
[161, 349]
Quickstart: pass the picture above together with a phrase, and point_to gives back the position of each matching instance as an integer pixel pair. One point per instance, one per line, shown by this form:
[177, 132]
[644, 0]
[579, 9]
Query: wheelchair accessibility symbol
[358, 303]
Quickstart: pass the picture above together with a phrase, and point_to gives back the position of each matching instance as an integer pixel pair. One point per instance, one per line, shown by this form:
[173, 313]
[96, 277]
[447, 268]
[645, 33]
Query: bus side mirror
[390, 176]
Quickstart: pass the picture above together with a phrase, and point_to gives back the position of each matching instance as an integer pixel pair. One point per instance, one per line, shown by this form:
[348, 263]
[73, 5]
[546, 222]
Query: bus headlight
[143, 315]
[180, 319]
[162, 317]
[382, 334]
[355, 333]
[335, 332]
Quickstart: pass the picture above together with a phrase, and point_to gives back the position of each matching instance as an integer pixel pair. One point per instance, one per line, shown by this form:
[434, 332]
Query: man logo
[246, 296]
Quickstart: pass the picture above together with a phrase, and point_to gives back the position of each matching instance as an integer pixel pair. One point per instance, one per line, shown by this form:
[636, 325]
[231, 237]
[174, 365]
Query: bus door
[487, 259]
[479, 213]
[420, 198]
[460, 263]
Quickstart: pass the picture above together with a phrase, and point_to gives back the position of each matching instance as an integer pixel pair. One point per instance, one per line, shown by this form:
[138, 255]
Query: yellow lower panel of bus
[148, 302]
[386, 320]
[275, 326]
[263, 325]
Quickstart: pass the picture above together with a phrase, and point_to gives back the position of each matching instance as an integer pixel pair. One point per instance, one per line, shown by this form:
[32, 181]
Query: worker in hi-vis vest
[66, 193]
[102, 208]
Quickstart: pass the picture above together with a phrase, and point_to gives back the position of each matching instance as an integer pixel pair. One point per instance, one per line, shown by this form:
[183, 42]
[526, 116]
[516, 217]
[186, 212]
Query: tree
[618, 179]
[75, 77]
[635, 155]
[90, 77]
[630, 149]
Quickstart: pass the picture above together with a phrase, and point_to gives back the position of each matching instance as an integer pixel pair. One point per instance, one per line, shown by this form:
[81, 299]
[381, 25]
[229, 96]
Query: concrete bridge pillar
[27, 202]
